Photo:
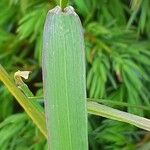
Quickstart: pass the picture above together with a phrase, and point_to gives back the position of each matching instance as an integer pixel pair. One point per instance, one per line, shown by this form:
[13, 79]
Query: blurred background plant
[117, 38]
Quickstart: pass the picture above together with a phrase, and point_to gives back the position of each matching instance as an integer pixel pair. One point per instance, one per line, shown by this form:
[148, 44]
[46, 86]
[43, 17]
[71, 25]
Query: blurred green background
[117, 39]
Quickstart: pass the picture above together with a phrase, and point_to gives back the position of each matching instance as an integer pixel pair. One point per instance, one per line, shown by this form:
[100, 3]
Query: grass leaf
[29, 106]
[108, 112]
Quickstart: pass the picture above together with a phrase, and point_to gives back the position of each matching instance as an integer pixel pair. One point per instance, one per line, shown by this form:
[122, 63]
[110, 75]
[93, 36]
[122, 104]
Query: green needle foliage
[117, 38]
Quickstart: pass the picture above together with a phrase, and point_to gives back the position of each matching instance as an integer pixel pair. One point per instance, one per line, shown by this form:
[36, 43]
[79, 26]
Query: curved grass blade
[30, 107]
[111, 113]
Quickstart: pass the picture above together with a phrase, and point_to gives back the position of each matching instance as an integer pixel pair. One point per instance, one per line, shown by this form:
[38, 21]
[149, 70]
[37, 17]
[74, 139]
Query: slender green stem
[40, 99]
[111, 113]
[118, 103]
[63, 3]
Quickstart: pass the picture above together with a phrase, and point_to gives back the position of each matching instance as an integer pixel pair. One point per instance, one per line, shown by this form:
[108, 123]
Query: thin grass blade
[111, 113]
[30, 107]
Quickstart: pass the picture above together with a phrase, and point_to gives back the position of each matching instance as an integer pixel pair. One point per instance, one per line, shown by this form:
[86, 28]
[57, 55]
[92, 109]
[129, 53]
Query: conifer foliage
[117, 40]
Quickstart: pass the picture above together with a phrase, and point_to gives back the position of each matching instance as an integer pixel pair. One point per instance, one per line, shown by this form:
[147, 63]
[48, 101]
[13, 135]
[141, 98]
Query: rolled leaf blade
[64, 81]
